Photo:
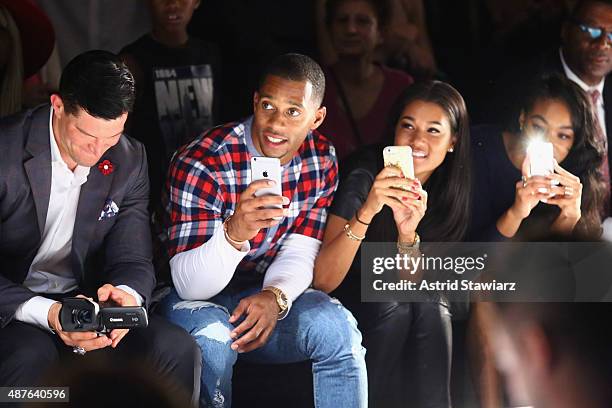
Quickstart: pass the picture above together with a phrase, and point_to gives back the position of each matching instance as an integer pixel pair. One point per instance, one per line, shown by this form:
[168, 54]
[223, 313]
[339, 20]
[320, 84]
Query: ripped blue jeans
[317, 328]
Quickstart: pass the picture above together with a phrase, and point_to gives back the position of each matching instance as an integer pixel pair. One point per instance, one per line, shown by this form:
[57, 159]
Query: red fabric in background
[337, 126]
[36, 32]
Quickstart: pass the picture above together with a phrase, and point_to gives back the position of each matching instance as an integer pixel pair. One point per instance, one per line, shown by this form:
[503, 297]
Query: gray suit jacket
[114, 250]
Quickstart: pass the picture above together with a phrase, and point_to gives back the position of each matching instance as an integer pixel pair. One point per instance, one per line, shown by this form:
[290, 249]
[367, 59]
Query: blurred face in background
[172, 15]
[354, 29]
[425, 127]
[510, 360]
[551, 120]
[589, 58]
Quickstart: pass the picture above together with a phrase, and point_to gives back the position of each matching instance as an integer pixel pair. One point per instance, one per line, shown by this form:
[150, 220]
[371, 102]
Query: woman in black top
[431, 118]
[507, 202]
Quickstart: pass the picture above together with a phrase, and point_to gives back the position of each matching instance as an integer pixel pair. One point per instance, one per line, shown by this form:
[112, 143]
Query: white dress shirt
[51, 270]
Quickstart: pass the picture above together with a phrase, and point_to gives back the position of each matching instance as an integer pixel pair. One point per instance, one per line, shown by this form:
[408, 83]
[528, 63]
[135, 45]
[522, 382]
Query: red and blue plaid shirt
[208, 175]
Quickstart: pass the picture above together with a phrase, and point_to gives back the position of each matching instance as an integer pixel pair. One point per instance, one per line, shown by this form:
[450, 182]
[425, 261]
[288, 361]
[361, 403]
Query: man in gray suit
[74, 221]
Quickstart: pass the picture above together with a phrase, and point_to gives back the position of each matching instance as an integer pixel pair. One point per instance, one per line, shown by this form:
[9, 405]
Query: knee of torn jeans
[214, 324]
[216, 331]
[335, 330]
[196, 305]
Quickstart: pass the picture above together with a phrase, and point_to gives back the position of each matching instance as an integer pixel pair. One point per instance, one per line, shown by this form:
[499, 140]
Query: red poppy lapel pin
[105, 167]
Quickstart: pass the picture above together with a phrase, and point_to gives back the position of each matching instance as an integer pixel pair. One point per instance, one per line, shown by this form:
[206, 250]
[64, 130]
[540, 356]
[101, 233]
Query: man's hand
[110, 293]
[88, 340]
[261, 312]
[251, 215]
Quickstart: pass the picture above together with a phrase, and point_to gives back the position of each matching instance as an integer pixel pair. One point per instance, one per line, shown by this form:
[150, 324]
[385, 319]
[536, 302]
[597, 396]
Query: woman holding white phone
[431, 118]
[510, 202]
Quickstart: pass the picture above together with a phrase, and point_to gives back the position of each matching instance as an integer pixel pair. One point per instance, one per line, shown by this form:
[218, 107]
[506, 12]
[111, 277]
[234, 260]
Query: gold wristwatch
[409, 248]
[281, 300]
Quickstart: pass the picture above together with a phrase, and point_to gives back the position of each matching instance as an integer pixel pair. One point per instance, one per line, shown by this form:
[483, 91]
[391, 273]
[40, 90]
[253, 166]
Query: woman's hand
[388, 189]
[529, 192]
[568, 195]
[409, 213]
[404, 196]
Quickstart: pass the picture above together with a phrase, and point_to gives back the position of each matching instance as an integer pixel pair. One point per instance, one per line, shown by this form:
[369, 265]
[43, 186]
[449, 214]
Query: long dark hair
[586, 153]
[449, 186]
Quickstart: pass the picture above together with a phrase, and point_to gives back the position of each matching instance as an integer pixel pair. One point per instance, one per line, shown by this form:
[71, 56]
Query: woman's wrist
[568, 214]
[408, 237]
[364, 215]
[568, 219]
[508, 224]
[514, 214]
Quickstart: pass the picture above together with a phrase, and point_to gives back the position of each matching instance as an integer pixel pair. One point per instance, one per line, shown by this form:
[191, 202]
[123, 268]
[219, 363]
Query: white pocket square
[110, 210]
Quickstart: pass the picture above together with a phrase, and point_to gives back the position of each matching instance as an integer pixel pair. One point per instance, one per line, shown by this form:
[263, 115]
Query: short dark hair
[99, 83]
[297, 67]
[381, 8]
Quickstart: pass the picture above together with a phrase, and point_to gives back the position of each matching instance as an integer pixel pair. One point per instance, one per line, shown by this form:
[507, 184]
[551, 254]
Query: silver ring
[79, 350]
[524, 179]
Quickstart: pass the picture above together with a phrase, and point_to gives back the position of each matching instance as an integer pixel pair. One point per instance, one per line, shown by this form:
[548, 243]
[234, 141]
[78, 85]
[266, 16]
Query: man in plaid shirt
[242, 265]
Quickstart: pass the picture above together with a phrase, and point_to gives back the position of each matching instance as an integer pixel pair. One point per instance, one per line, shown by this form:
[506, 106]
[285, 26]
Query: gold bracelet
[349, 233]
[230, 239]
[404, 247]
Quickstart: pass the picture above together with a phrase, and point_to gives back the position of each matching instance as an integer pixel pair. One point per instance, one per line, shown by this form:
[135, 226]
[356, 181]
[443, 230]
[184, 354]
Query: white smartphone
[541, 161]
[267, 168]
[400, 157]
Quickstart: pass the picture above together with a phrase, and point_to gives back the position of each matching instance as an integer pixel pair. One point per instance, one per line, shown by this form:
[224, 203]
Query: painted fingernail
[405, 198]
[542, 190]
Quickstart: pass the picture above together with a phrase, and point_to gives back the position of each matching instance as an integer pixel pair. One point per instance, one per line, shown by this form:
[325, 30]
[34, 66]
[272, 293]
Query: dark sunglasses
[594, 33]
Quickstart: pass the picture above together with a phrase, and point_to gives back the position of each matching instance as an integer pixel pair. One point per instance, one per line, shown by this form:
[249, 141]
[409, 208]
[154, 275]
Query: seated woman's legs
[430, 354]
[385, 328]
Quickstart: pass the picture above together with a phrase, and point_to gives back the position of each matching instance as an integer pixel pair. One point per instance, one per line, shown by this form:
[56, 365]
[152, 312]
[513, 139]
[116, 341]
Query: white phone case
[540, 158]
[401, 157]
[267, 168]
